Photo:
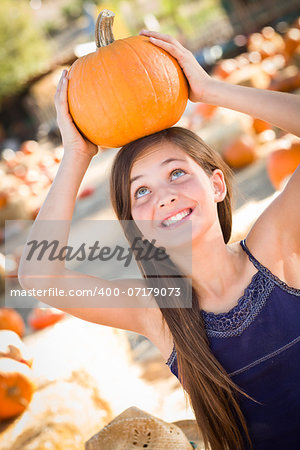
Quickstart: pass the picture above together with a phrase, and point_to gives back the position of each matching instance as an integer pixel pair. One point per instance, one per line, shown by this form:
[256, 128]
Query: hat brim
[190, 429]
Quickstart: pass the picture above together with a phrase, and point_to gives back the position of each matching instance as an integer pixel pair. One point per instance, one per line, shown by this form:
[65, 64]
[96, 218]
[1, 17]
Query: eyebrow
[166, 161]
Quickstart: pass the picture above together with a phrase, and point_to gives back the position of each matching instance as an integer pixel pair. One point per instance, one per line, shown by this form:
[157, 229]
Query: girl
[236, 349]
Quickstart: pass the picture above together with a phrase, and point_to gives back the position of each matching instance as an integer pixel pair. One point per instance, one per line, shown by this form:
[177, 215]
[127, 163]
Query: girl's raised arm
[278, 108]
[60, 201]
[79, 294]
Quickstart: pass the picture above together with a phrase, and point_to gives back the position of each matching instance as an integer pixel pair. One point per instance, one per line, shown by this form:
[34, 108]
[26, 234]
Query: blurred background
[247, 42]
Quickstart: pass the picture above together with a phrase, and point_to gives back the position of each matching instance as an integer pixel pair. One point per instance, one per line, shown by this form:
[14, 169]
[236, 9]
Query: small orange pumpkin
[11, 346]
[35, 212]
[241, 152]
[292, 41]
[282, 163]
[205, 110]
[86, 192]
[10, 319]
[40, 318]
[260, 125]
[224, 68]
[16, 387]
[127, 89]
[3, 199]
[287, 84]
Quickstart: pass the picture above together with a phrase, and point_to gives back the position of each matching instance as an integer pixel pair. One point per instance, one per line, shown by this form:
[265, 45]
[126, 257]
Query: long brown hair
[212, 394]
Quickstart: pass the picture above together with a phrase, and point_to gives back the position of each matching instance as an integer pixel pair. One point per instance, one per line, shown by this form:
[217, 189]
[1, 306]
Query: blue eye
[176, 171]
[140, 191]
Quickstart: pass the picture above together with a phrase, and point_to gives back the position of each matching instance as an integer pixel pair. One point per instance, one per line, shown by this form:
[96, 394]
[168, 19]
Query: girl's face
[173, 200]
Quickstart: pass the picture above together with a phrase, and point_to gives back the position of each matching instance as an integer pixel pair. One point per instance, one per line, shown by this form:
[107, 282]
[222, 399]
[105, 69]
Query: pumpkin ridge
[133, 129]
[171, 90]
[167, 75]
[125, 114]
[142, 113]
[74, 101]
[146, 71]
[83, 111]
[99, 61]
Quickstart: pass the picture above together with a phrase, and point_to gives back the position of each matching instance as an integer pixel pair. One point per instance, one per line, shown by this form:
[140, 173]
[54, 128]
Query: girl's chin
[176, 237]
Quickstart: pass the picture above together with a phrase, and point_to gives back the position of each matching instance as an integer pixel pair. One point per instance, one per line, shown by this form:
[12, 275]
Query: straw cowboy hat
[135, 429]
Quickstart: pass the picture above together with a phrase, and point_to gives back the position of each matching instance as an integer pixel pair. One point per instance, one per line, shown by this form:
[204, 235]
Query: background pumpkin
[16, 387]
[40, 318]
[282, 163]
[29, 147]
[240, 152]
[285, 84]
[260, 125]
[3, 199]
[224, 68]
[205, 110]
[127, 89]
[10, 319]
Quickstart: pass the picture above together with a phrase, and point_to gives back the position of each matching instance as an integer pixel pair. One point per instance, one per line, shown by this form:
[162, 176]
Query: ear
[218, 185]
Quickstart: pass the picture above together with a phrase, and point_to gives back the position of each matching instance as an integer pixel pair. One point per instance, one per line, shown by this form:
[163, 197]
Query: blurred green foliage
[73, 9]
[188, 16]
[23, 49]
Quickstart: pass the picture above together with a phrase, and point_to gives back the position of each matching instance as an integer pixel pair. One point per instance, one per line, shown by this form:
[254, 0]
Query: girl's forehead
[159, 152]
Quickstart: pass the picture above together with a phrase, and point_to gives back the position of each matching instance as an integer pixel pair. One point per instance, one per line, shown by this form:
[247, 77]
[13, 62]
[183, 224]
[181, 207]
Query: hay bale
[102, 351]
[85, 375]
[61, 415]
[76, 366]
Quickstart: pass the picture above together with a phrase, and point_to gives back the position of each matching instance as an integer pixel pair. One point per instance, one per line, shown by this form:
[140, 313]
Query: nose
[167, 199]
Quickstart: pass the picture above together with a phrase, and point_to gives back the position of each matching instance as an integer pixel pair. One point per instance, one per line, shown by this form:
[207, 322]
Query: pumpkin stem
[103, 30]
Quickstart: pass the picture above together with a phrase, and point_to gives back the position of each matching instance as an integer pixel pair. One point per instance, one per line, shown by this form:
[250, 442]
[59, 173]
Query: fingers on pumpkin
[170, 48]
[61, 97]
[61, 80]
[160, 36]
[58, 92]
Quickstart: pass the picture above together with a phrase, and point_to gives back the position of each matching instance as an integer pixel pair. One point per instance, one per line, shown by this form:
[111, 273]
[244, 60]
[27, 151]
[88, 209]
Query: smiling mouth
[177, 218]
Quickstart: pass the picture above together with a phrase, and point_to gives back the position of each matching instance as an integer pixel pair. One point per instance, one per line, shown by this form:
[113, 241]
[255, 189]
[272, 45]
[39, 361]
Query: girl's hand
[197, 77]
[73, 141]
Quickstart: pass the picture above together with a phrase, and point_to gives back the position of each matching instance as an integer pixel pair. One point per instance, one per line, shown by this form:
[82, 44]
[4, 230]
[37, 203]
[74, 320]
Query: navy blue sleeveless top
[258, 344]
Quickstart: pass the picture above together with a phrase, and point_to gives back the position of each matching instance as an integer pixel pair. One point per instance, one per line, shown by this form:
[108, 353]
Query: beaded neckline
[237, 319]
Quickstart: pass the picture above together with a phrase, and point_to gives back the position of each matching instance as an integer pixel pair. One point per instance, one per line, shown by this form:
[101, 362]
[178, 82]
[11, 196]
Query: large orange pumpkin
[16, 387]
[10, 319]
[127, 89]
[282, 163]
